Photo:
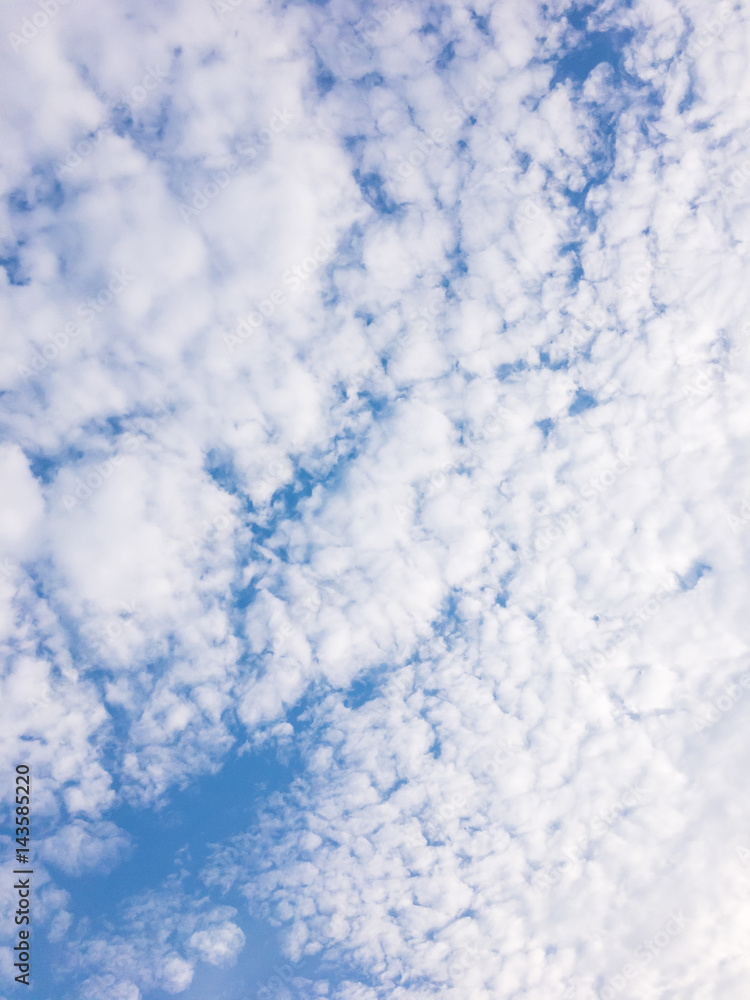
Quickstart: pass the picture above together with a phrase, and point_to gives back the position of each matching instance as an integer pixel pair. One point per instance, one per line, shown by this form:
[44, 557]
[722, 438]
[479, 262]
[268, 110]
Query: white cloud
[220, 944]
[109, 988]
[375, 466]
[82, 847]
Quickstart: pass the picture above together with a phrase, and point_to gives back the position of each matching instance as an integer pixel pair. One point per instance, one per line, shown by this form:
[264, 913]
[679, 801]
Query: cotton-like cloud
[453, 511]
[219, 945]
[80, 846]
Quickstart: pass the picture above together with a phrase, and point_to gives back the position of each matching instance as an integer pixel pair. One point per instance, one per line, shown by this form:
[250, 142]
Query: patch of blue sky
[446, 57]
[46, 467]
[325, 80]
[220, 466]
[595, 48]
[212, 810]
[578, 200]
[373, 188]
[545, 426]
[458, 259]
[15, 269]
[448, 623]
[687, 102]
[482, 23]
[573, 252]
[42, 190]
[582, 401]
[370, 80]
[578, 17]
[546, 362]
[696, 572]
[505, 372]
[365, 688]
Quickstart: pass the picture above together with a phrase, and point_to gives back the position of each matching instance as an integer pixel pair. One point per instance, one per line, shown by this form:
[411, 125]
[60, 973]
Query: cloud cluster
[427, 374]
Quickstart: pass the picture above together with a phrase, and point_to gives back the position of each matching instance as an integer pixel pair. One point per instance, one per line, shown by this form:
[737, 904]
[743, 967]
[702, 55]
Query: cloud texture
[374, 386]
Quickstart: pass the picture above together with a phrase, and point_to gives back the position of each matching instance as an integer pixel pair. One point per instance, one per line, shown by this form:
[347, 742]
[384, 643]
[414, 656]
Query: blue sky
[373, 522]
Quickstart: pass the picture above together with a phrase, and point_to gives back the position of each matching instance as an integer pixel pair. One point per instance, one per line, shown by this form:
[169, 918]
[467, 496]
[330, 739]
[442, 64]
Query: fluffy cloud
[82, 847]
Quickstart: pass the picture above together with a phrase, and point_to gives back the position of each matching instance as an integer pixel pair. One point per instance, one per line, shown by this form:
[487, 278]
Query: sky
[375, 498]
